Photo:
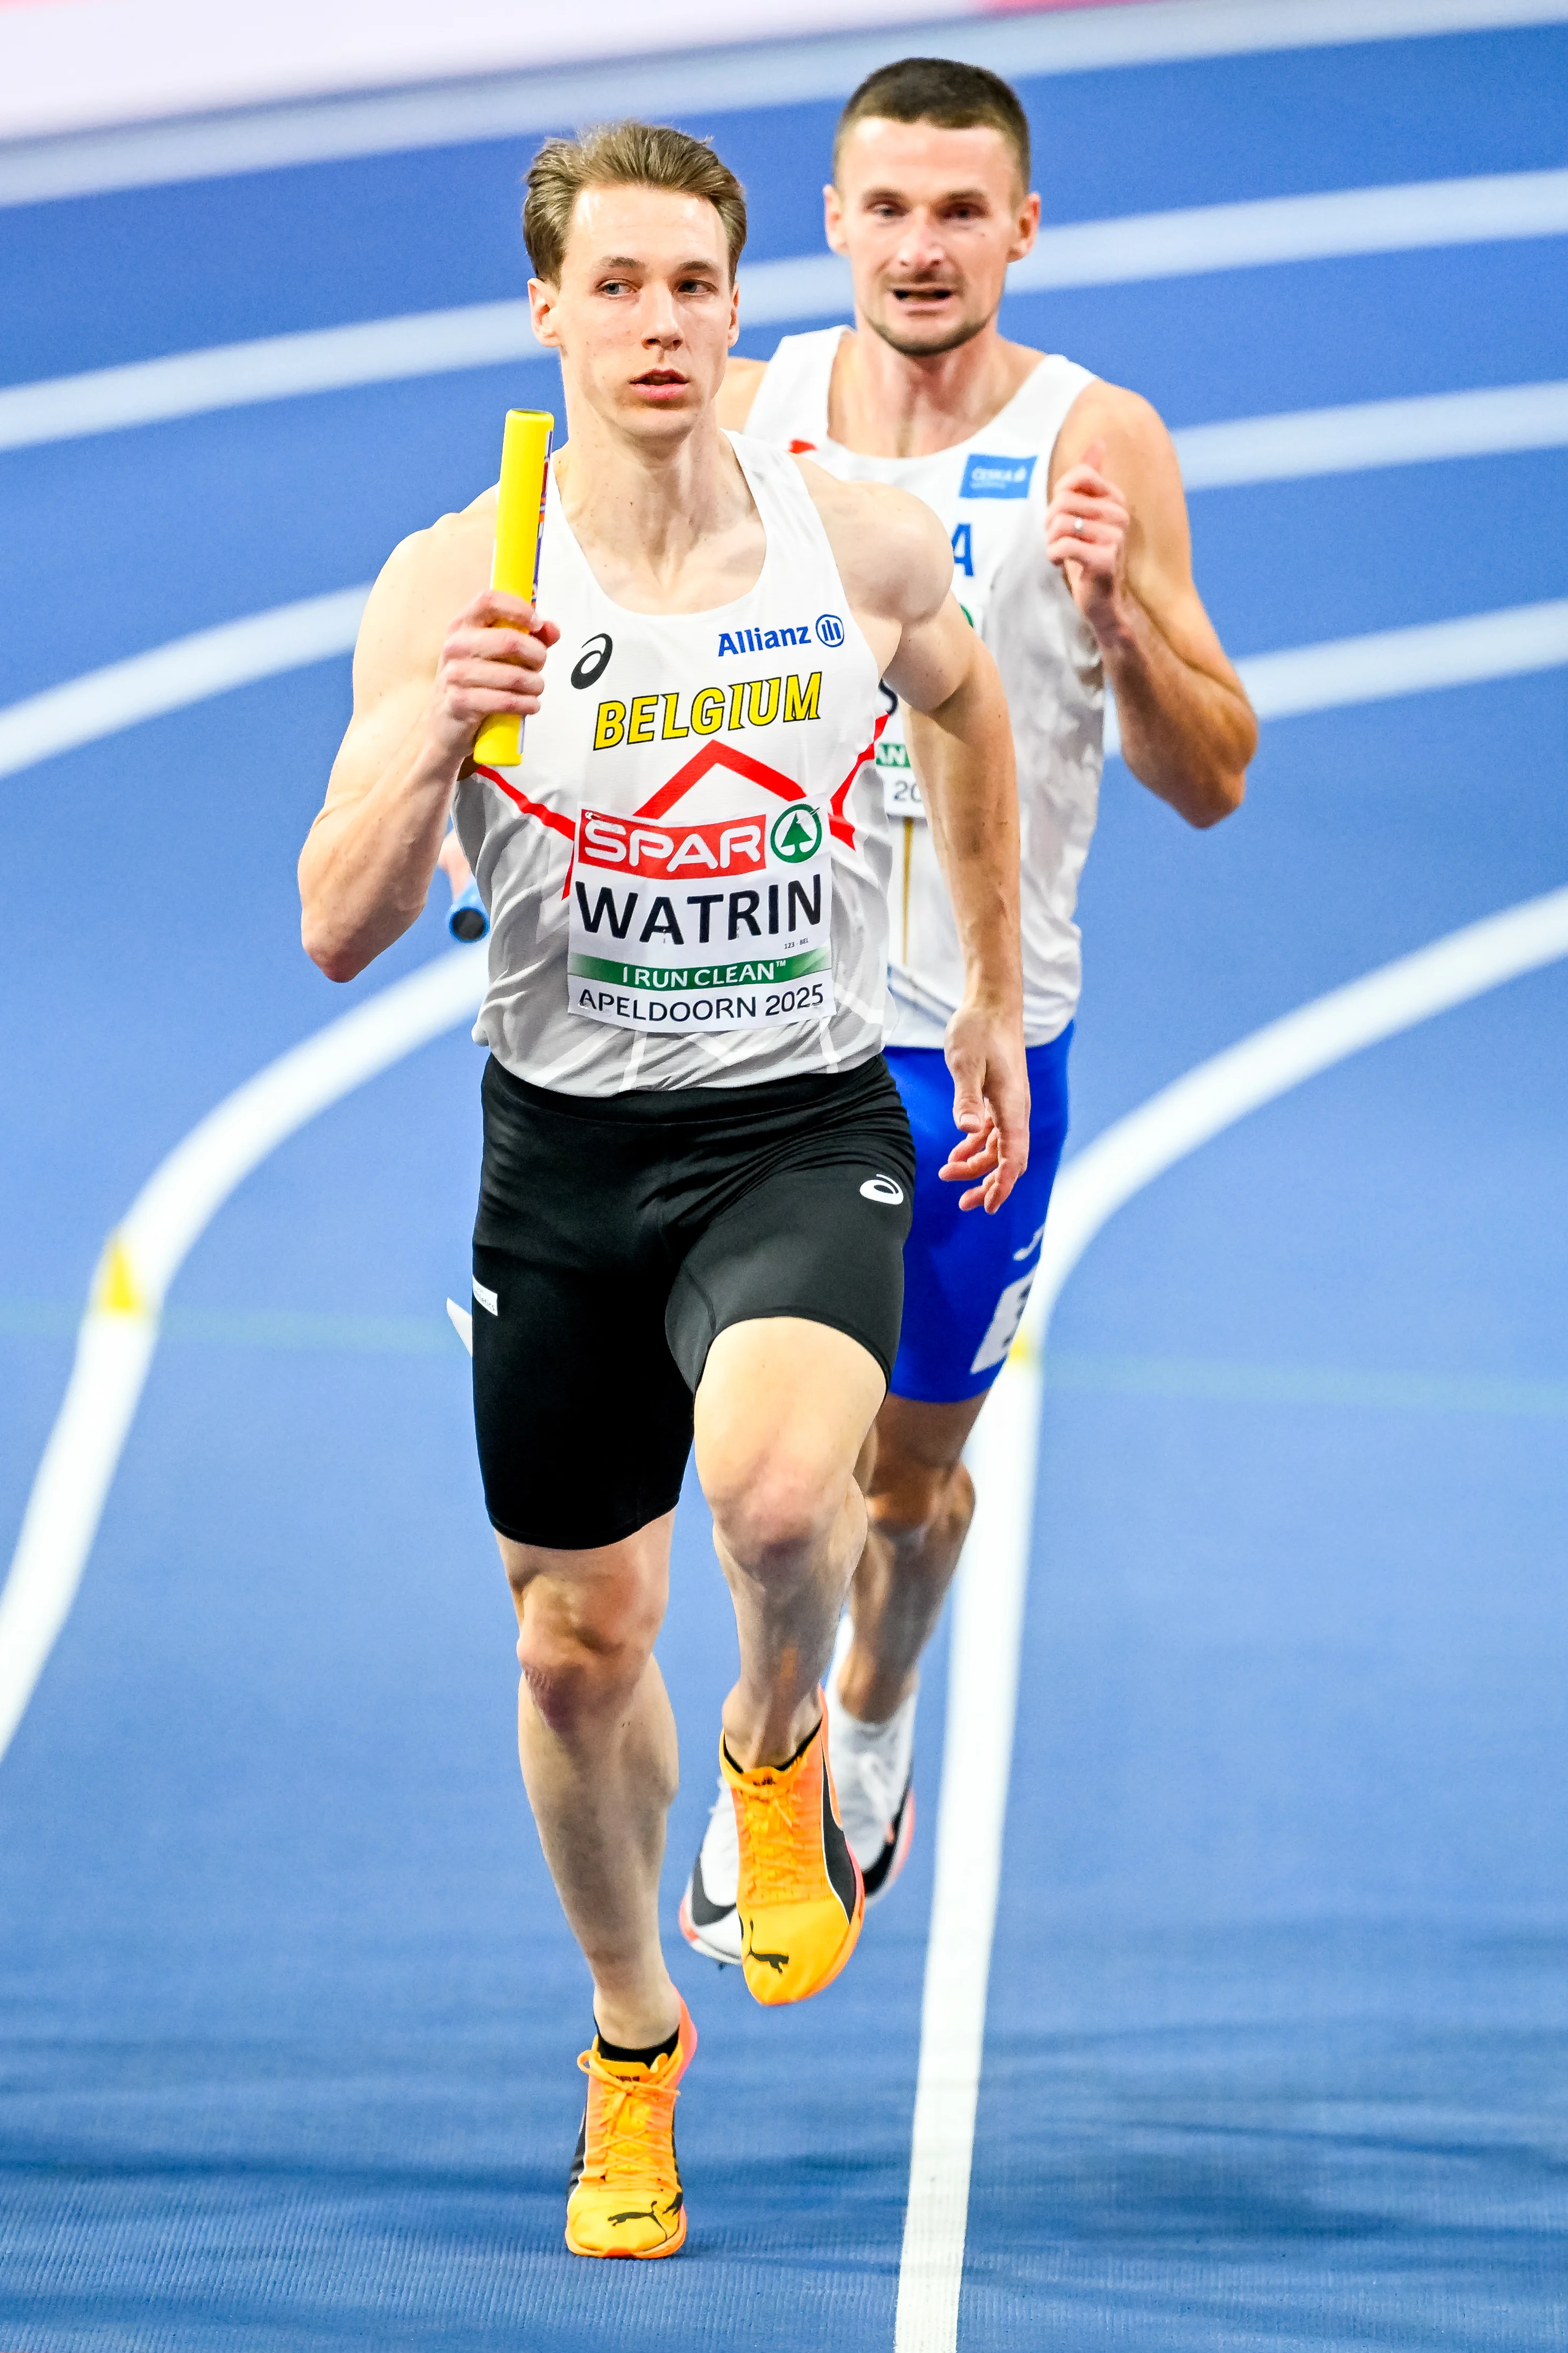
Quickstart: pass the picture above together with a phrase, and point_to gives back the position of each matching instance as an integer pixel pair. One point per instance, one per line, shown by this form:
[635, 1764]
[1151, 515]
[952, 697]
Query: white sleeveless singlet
[991, 494]
[686, 874]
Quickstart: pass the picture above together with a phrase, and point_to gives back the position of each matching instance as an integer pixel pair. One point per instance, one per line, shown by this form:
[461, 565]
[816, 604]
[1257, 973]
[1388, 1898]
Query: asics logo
[595, 659]
[882, 1188]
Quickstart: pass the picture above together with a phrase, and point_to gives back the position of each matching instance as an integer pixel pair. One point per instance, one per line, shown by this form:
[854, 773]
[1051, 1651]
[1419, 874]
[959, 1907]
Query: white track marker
[141, 1259]
[816, 285]
[988, 1610]
[715, 80]
[171, 677]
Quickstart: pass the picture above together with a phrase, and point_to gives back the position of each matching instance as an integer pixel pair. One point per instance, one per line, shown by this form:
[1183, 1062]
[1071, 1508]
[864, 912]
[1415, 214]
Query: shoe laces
[779, 1823]
[630, 2139]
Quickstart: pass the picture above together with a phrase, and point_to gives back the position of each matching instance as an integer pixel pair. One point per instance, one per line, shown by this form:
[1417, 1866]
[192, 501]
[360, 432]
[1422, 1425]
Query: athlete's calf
[782, 1414]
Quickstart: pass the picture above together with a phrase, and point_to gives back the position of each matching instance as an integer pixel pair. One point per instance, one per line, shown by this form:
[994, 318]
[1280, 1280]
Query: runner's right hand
[492, 661]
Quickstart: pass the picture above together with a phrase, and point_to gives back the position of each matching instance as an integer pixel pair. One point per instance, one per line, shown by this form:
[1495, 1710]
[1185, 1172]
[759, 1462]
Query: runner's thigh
[582, 1419]
[818, 1234]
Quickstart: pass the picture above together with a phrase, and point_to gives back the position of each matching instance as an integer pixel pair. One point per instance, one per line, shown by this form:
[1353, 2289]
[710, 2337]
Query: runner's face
[929, 220]
[645, 313]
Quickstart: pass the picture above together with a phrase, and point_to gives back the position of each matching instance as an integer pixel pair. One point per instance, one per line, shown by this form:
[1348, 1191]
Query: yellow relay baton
[520, 516]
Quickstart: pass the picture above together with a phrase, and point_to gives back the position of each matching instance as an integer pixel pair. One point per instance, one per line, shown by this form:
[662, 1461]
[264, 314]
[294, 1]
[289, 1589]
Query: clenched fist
[492, 661]
[1087, 525]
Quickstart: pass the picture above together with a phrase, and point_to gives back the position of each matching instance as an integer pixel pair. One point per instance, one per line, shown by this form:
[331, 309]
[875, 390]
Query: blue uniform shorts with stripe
[966, 1276]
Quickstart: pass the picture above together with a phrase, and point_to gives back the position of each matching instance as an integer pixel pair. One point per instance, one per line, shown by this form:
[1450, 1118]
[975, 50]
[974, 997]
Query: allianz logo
[827, 628]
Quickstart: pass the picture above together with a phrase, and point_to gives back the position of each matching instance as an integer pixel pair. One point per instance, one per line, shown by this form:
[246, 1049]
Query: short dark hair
[939, 90]
[623, 155]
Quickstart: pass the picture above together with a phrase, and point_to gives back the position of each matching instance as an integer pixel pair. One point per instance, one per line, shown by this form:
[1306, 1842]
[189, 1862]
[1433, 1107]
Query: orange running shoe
[626, 2194]
[800, 1895]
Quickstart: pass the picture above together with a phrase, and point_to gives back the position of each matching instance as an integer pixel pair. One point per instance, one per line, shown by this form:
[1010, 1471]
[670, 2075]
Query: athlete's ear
[833, 217]
[735, 312]
[1027, 228]
[542, 300]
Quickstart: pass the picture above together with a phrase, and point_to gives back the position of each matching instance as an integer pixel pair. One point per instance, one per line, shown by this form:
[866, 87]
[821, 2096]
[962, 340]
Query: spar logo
[666, 852]
[797, 835]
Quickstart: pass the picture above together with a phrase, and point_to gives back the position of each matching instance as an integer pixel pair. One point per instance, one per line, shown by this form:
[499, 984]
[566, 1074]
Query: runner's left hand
[990, 1104]
[1094, 562]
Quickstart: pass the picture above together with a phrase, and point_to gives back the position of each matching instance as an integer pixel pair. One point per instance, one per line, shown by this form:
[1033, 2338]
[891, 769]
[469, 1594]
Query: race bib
[901, 787]
[679, 927]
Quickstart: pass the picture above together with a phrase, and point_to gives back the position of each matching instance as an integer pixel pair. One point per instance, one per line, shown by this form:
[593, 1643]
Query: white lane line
[1297, 228]
[1370, 433]
[169, 676]
[1510, 643]
[120, 1331]
[274, 368]
[739, 80]
[1205, 239]
[1374, 669]
[1480, 646]
[336, 359]
[983, 1676]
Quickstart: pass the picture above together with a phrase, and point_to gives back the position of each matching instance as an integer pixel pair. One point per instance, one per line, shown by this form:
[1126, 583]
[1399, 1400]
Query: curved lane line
[120, 1331]
[117, 1339]
[169, 678]
[1197, 239]
[988, 1610]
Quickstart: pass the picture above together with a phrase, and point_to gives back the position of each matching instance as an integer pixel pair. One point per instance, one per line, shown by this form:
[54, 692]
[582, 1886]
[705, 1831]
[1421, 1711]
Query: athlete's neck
[667, 525]
[883, 404]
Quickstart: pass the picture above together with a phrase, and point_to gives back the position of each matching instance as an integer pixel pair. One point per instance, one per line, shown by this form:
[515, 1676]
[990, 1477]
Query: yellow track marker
[117, 1291]
[520, 514]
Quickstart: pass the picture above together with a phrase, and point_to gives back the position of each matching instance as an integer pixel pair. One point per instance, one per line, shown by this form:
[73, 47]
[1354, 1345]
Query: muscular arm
[1187, 729]
[423, 685]
[896, 567]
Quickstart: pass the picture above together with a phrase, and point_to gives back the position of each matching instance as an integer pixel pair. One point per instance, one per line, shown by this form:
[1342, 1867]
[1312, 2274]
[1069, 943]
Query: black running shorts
[617, 1236]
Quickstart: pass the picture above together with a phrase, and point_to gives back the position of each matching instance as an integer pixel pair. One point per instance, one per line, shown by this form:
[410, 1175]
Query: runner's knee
[772, 1511]
[583, 1652]
[908, 1499]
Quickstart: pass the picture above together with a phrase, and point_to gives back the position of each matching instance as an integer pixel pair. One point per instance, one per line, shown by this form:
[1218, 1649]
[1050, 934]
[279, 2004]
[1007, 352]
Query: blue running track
[1277, 2040]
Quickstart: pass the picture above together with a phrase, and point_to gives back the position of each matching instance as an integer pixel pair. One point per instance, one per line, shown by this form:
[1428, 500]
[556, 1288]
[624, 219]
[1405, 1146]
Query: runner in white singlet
[705, 781]
[1062, 501]
[697, 1172]
[990, 491]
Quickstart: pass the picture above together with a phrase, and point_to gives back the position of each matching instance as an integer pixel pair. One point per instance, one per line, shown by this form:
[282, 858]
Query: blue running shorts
[966, 1276]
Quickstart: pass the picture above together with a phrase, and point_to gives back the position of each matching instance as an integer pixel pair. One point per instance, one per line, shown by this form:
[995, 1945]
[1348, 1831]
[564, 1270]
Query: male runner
[697, 1171]
[1063, 501]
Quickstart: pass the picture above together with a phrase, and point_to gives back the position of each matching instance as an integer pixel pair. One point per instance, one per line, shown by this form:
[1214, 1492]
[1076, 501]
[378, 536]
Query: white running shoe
[708, 1916]
[871, 1778]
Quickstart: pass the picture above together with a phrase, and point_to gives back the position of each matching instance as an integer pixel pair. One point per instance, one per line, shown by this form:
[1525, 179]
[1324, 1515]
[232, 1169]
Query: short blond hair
[623, 155]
